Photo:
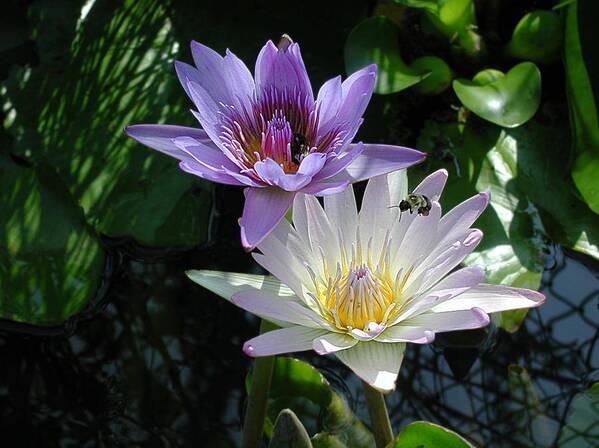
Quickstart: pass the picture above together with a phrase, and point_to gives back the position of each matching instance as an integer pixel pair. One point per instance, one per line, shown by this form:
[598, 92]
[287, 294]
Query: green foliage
[375, 40]
[439, 78]
[50, 260]
[582, 70]
[537, 37]
[301, 388]
[289, 432]
[119, 72]
[428, 435]
[508, 101]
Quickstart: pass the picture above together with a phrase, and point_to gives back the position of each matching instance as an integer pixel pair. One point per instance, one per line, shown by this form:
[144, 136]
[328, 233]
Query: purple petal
[325, 188]
[355, 96]
[329, 101]
[160, 137]
[463, 215]
[342, 161]
[186, 73]
[263, 209]
[211, 71]
[284, 70]
[239, 81]
[285, 340]
[312, 164]
[379, 159]
[272, 174]
[210, 157]
[204, 172]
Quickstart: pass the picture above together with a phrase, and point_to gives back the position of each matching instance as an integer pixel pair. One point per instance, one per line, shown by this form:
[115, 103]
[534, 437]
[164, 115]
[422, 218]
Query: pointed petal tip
[483, 317]
[249, 350]
[429, 337]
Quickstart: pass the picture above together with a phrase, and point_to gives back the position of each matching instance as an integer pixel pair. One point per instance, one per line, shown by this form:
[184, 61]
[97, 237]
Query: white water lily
[361, 285]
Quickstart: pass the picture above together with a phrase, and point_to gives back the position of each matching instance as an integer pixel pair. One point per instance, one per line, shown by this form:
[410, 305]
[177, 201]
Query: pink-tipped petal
[432, 185]
[263, 209]
[324, 188]
[285, 340]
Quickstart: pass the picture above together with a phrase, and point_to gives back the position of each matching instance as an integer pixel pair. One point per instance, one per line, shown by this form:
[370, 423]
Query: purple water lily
[270, 134]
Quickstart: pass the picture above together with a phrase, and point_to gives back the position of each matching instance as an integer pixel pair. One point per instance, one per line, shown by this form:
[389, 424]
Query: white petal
[454, 284]
[376, 363]
[451, 320]
[462, 216]
[432, 185]
[321, 235]
[343, 214]
[398, 186]
[288, 276]
[271, 307]
[225, 284]
[418, 241]
[493, 299]
[285, 340]
[333, 342]
[375, 214]
[406, 333]
[441, 261]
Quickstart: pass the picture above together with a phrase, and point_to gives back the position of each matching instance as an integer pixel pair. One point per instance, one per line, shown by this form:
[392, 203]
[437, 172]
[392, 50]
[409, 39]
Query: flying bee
[299, 147]
[415, 203]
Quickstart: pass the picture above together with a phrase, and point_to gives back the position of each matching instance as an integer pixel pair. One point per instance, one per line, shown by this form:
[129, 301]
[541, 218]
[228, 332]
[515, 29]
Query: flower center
[359, 297]
[280, 125]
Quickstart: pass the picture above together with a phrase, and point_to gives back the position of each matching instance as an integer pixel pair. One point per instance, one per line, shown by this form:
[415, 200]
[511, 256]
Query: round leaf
[439, 78]
[537, 37]
[509, 101]
[376, 41]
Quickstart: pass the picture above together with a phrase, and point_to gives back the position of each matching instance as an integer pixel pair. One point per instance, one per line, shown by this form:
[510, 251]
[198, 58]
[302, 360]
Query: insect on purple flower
[269, 134]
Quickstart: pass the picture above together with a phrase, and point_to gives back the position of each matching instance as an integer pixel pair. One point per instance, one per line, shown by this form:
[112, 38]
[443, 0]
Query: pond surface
[157, 361]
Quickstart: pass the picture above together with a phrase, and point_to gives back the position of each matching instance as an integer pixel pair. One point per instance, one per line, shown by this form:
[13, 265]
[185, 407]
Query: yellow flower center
[360, 294]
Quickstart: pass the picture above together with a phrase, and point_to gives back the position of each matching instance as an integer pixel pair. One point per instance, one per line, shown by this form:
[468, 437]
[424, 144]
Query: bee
[299, 147]
[415, 203]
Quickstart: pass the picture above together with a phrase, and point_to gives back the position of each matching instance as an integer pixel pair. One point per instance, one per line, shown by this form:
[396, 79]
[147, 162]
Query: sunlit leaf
[586, 177]
[509, 101]
[112, 69]
[439, 78]
[376, 40]
[50, 261]
[428, 435]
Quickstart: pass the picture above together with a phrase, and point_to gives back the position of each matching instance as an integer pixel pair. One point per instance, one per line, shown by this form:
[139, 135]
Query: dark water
[159, 362]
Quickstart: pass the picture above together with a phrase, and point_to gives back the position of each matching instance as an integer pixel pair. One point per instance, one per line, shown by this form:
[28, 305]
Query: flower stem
[253, 424]
[379, 418]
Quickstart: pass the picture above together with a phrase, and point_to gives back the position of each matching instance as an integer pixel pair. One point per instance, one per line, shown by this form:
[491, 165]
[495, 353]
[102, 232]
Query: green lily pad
[582, 428]
[439, 78]
[428, 435]
[95, 76]
[50, 261]
[537, 37]
[376, 41]
[509, 101]
[289, 432]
